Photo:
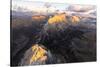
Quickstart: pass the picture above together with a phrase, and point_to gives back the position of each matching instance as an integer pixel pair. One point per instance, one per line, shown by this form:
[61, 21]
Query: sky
[37, 4]
[58, 4]
[93, 2]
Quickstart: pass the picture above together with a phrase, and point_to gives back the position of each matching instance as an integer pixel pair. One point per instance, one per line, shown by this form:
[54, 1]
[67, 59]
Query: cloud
[81, 8]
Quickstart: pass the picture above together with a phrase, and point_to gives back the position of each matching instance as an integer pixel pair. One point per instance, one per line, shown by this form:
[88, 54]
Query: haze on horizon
[40, 4]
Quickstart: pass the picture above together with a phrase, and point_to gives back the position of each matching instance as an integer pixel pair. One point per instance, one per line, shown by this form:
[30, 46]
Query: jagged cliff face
[60, 39]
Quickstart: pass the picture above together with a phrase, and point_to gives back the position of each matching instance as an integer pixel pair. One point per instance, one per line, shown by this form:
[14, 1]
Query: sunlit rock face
[59, 18]
[57, 22]
[75, 19]
[37, 55]
[63, 18]
[39, 18]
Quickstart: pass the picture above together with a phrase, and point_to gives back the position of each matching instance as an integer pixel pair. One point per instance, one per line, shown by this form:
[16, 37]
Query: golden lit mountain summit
[63, 18]
[58, 19]
[39, 54]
